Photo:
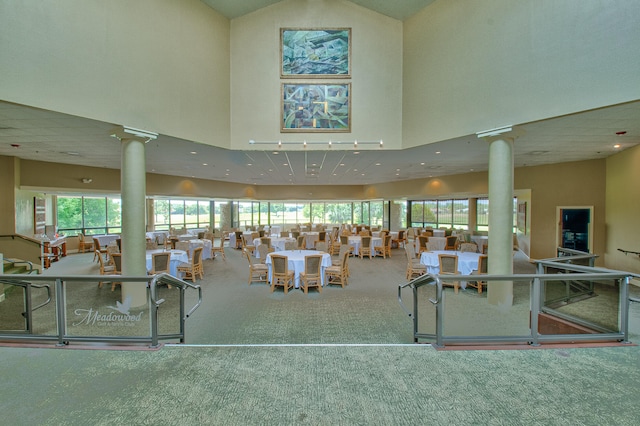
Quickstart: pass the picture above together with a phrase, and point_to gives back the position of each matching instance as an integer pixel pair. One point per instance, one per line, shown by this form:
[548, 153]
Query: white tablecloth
[394, 234]
[440, 242]
[205, 244]
[467, 261]
[275, 230]
[310, 238]
[480, 240]
[105, 240]
[296, 262]
[277, 243]
[195, 231]
[177, 257]
[355, 241]
[158, 236]
[438, 233]
[232, 237]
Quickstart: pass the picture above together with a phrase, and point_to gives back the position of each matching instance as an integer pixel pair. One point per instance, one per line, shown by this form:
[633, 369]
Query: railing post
[60, 313]
[536, 301]
[624, 308]
[439, 314]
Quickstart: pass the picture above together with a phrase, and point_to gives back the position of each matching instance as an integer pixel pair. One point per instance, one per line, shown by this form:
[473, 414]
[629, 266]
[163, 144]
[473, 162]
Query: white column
[133, 189]
[500, 214]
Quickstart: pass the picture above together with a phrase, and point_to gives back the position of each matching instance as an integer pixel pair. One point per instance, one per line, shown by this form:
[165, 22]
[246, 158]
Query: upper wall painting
[315, 52]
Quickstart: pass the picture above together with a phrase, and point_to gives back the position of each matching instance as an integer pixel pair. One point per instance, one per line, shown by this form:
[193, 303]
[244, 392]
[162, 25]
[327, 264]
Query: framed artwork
[316, 107]
[315, 52]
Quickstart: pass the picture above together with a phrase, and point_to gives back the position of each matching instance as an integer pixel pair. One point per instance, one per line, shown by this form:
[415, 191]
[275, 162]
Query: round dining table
[295, 260]
[467, 262]
[278, 243]
[356, 240]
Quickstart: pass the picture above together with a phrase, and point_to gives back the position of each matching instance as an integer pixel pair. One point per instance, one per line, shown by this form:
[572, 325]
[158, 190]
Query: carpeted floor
[378, 377]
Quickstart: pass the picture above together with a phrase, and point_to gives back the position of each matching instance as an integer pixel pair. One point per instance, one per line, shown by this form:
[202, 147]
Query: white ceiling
[397, 9]
[31, 133]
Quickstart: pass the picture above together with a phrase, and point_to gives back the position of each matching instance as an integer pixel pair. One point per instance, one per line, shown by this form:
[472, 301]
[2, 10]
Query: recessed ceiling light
[616, 146]
[314, 164]
[437, 152]
[285, 164]
[378, 164]
[356, 152]
[422, 164]
[355, 170]
[68, 152]
[275, 153]
[342, 164]
[226, 174]
[204, 164]
[249, 164]
[363, 174]
[193, 152]
[270, 170]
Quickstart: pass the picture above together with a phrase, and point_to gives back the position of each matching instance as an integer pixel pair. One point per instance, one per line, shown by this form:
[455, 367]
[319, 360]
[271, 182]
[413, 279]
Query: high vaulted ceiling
[397, 9]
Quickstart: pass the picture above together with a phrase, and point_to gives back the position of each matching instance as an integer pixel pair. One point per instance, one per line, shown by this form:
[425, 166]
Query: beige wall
[623, 210]
[376, 64]
[476, 65]
[574, 184]
[161, 65]
[9, 173]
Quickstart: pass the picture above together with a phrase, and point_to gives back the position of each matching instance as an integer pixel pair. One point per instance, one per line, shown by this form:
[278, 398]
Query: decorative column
[133, 190]
[500, 213]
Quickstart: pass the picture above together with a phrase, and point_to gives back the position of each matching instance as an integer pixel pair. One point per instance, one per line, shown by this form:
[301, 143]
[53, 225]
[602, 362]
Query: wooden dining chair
[422, 241]
[160, 262]
[468, 247]
[219, 248]
[104, 269]
[116, 260]
[302, 242]
[281, 276]
[451, 242]
[97, 248]
[194, 268]
[84, 244]
[400, 239]
[483, 267]
[311, 276]
[414, 267]
[365, 246]
[338, 274]
[258, 272]
[449, 266]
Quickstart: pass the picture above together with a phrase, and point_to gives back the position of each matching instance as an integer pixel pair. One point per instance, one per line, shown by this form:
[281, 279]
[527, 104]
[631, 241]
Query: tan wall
[160, 65]
[476, 65]
[623, 210]
[567, 184]
[8, 176]
[376, 64]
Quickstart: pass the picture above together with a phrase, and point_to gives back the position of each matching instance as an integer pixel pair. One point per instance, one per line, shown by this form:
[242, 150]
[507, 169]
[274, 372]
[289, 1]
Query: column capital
[506, 132]
[130, 133]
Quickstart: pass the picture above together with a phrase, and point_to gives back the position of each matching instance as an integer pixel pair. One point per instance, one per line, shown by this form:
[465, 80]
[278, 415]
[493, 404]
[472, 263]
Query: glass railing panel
[469, 313]
[169, 310]
[581, 306]
[426, 323]
[93, 311]
[13, 318]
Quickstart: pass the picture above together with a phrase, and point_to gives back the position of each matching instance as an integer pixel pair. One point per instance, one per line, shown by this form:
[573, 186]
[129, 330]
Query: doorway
[575, 228]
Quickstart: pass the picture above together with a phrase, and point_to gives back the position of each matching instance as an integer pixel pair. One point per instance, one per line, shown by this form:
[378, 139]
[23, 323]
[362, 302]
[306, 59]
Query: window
[89, 215]
[440, 213]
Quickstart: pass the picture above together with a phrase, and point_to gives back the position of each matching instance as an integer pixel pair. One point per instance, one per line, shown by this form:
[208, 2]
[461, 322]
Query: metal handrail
[151, 282]
[20, 262]
[575, 272]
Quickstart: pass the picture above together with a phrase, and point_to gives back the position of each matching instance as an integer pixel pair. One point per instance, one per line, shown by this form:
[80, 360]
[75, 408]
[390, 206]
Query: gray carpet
[318, 385]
